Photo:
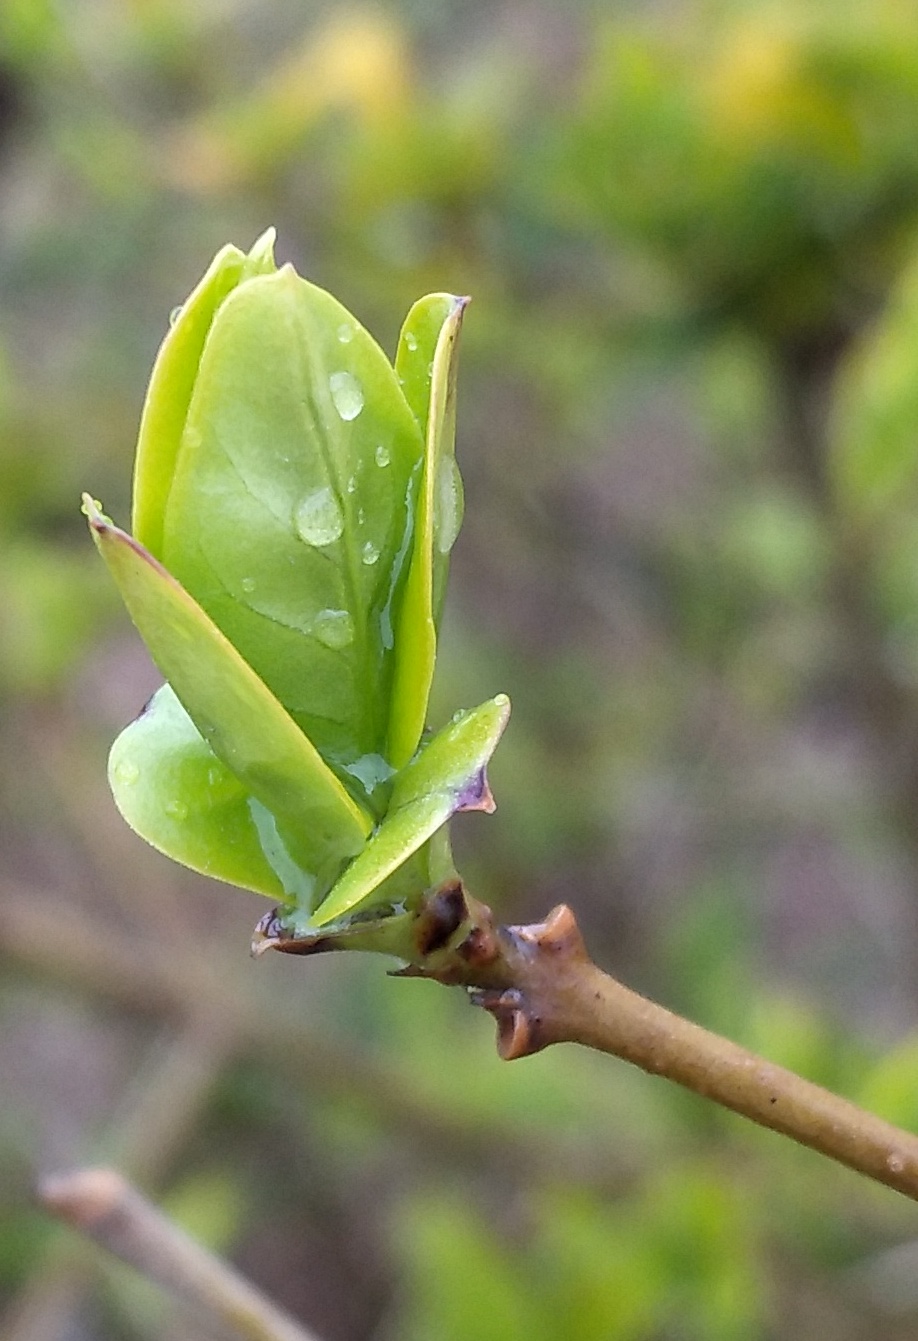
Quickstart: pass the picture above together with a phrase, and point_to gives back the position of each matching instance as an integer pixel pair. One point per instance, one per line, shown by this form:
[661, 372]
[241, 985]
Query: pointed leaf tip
[260, 258]
[477, 795]
[173, 379]
[91, 509]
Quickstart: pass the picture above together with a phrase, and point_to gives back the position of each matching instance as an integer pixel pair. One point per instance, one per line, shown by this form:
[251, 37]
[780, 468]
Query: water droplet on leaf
[298, 884]
[347, 394]
[352, 484]
[345, 333]
[175, 314]
[334, 628]
[248, 584]
[127, 772]
[370, 553]
[411, 341]
[318, 518]
[371, 771]
[382, 455]
[176, 810]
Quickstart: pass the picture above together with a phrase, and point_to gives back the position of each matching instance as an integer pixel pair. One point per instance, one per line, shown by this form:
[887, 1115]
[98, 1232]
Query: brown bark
[541, 986]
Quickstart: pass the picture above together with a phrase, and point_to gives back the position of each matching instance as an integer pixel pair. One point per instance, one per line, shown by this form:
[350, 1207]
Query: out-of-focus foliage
[688, 430]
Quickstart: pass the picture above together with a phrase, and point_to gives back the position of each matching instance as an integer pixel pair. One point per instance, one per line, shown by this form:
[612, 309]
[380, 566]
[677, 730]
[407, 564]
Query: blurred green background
[689, 434]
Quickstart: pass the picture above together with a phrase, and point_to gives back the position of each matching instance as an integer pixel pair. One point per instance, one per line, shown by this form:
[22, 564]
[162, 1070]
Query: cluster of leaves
[295, 501]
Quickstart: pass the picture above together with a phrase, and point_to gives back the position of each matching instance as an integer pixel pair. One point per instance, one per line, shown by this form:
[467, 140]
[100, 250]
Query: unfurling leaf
[210, 821]
[245, 726]
[426, 366]
[447, 775]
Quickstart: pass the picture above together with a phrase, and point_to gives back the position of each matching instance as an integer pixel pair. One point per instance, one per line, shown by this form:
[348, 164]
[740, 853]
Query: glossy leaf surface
[298, 498]
[244, 724]
[446, 776]
[291, 509]
[172, 789]
[172, 382]
[426, 366]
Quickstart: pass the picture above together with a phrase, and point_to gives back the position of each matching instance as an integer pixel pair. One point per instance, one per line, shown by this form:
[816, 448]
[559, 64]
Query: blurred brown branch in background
[102, 1205]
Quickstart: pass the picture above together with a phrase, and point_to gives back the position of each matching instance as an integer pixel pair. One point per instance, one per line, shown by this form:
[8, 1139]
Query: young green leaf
[446, 776]
[426, 366]
[291, 509]
[172, 789]
[235, 712]
[172, 382]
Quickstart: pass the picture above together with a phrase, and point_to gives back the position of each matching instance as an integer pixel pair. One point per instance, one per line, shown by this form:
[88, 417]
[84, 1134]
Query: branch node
[559, 935]
[518, 1033]
[439, 918]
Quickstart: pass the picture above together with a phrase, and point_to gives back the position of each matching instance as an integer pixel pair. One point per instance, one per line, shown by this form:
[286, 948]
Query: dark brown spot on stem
[441, 917]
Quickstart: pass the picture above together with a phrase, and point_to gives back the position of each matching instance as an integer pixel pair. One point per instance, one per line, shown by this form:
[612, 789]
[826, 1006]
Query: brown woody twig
[106, 1208]
[541, 986]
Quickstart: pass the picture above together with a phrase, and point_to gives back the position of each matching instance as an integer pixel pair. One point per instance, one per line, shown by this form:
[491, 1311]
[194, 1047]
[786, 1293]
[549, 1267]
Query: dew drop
[345, 333]
[175, 314]
[448, 505]
[371, 771]
[369, 554]
[333, 628]
[347, 394]
[176, 810]
[247, 584]
[318, 518]
[382, 455]
[127, 772]
[298, 884]
[352, 484]
[411, 341]
[213, 775]
[361, 516]
[191, 438]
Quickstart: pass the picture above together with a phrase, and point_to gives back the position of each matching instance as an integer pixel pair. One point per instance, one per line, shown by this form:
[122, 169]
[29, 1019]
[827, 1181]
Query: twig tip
[82, 1197]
